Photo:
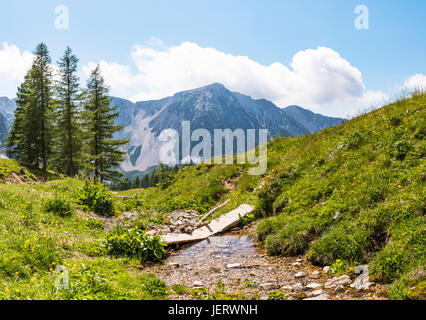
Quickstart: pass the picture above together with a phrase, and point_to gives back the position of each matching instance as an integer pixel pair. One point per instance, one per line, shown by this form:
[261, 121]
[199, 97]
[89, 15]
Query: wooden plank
[219, 225]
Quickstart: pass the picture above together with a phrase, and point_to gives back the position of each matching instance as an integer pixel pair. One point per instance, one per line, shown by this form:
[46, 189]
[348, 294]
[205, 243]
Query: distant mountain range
[210, 107]
[7, 109]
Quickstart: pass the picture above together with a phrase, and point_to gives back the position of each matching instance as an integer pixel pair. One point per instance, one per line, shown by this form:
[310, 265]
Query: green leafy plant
[134, 243]
[97, 199]
[400, 149]
[276, 295]
[338, 267]
[58, 206]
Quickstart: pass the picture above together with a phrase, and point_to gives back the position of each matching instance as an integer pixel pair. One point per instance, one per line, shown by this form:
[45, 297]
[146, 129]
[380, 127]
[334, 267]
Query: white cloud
[14, 64]
[417, 81]
[314, 78]
[118, 77]
[318, 79]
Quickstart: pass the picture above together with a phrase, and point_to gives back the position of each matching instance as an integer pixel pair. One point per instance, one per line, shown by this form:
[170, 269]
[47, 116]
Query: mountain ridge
[209, 107]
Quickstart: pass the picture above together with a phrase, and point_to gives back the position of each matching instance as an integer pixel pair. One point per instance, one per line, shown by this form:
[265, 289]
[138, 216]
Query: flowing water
[244, 268]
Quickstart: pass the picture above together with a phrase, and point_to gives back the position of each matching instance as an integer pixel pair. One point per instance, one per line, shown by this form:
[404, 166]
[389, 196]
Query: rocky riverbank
[240, 268]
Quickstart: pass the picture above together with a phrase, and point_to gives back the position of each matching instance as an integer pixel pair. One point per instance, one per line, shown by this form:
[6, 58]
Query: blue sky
[387, 54]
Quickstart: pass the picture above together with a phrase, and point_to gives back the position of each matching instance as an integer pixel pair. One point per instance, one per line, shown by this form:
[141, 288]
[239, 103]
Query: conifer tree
[32, 129]
[104, 153]
[68, 133]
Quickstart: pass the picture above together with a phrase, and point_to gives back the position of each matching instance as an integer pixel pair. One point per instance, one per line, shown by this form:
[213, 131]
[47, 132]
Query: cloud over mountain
[14, 64]
[314, 77]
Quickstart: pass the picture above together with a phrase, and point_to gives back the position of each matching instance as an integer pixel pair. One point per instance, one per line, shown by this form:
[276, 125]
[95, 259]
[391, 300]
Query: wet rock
[316, 293]
[300, 295]
[313, 285]
[338, 289]
[298, 287]
[289, 288]
[323, 296]
[336, 281]
[299, 275]
[173, 264]
[270, 285]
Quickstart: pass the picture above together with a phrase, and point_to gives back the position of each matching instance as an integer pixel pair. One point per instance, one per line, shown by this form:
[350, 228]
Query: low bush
[400, 149]
[60, 207]
[134, 243]
[97, 199]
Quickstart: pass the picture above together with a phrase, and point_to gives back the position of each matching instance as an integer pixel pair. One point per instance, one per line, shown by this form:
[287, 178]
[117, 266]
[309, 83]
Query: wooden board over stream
[219, 225]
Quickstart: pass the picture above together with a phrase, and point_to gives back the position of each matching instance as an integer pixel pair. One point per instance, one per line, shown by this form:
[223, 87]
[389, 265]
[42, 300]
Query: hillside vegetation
[353, 193]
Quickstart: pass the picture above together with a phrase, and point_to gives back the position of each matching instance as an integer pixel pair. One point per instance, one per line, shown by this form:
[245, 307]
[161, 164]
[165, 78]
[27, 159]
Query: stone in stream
[336, 281]
[316, 293]
[313, 285]
[320, 297]
[173, 264]
[298, 287]
[338, 289]
[270, 285]
[289, 288]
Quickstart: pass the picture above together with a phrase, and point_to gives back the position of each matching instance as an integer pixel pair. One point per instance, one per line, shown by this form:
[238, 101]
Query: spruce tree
[20, 141]
[104, 153]
[32, 129]
[68, 143]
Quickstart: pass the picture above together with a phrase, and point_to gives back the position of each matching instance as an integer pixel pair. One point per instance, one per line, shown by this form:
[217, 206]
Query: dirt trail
[244, 268]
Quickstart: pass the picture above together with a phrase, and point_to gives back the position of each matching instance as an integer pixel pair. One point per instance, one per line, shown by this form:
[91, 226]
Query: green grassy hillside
[353, 193]
[356, 193]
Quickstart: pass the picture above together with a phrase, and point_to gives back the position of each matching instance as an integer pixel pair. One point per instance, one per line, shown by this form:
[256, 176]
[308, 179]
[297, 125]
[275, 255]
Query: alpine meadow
[239, 156]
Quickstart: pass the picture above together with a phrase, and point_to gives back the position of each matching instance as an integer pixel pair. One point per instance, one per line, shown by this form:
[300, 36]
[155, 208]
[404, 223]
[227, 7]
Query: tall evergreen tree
[104, 153]
[20, 141]
[68, 143]
[32, 129]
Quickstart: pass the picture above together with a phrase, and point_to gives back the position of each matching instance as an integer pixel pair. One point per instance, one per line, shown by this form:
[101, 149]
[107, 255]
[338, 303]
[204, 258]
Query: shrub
[97, 199]
[134, 243]
[58, 206]
[395, 121]
[400, 149]
[354, 141]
